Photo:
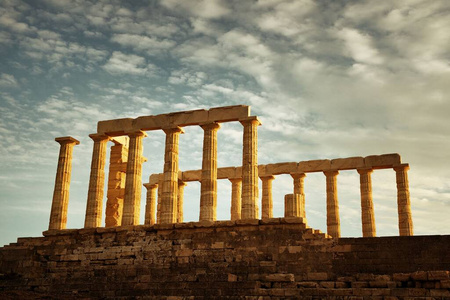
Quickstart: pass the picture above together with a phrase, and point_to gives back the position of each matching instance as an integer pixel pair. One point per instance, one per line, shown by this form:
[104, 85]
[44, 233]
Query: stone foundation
[252, 259]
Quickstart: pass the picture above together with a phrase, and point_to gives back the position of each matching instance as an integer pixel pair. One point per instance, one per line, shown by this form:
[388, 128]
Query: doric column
[170, 185]
[208, 196]
[292, 205]
[150, 206]
[250, 169]
[333, 222]
[60, 202]
[158, 205]
[236, 185]
[96, 182]
[116, 181]
[180, 203]
[367, 212]
[266, 201]
[405, 223]
[299, 179]
[133, 180]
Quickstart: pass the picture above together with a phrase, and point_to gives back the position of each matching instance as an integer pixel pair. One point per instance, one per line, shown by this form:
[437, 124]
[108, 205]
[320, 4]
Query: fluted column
[133, 180]
[236, 195]
[292, 205]
[180, 203]
[150, 206]
[367, 211]
[60, 202]
[405, 223]
[208, 196]
[266, 201]
[250, 169]
[299, 179]
[96, 182]
[158, 206]
[170, 185]
[333, 222]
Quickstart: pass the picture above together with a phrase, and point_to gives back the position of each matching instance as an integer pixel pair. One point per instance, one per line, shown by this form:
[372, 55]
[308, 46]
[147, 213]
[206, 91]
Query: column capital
[402, 167]
[364, 170]
[136, 133]
[331, 172]
[67, 140]
[210, 126]
[250, 120]
[298, 175]
[181, 183]
[149, 186]
[267, 177]
[235, 180]
[97, 137]
[175, 129]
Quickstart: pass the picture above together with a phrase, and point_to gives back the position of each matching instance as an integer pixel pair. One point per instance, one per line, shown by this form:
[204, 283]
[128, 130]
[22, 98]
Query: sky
[328, 79]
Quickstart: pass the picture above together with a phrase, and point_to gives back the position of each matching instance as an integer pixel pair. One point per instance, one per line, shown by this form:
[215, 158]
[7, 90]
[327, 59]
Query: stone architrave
[60, 202]
[208, 195]
[299, 179]
[94, 203]
[180, 203]
[333, 222]
[133, 180]
[150, 206]
[236, 195]
[169, 197]
[367, 211]
[267, 201]
[405, 223]
[249, 203]
[116, 181]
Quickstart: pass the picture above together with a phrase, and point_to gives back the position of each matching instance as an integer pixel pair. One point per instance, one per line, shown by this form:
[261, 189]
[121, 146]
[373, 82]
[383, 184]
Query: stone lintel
[279, 168]
[384, 161]
[400, 167]
[349, 163]
[310, 166]
[67, 140]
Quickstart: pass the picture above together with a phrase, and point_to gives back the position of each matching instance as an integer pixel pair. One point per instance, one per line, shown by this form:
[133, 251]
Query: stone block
[115, 127]
[225, 173]
[401, 276]
[420, 275]
[318, 276]
[349, 163]
[278, 277]
[194, 175]
[247, 222]
[228, 113]
[314, 166]
[280, 168]
[438, 275]
[382, 161]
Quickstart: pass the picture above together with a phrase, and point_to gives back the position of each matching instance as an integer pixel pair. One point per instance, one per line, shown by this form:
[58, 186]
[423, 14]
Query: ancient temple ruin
[165, 191]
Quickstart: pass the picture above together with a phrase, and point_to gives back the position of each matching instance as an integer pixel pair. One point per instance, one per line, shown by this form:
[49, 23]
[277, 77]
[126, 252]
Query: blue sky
[327, 79]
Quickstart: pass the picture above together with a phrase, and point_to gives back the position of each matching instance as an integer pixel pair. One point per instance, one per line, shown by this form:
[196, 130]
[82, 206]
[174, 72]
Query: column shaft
[60, 202]
[236, 195]
[333, 222]
[94, 204]
[367, 211]
[250, 208]
[150, 207]
[208, 196]
[292, 205]
[299, 179]
[170, 185]
[133, 180]
[158, 206]
[267, 201]
[180, 203]
[405, 223]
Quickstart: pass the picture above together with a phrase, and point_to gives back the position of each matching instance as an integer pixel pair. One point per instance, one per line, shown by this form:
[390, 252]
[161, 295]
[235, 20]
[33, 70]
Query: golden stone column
[333, 222]
[133, 180]
[158, 205]
[267, 201]
[94, 204]
[169, 196]
[208, 195]
[60, 202]
[367, 211]
[405, 223]
[299, 179]
[292, 205]
[249, 203]
[150, 205]
[236, 195]
[180, 203]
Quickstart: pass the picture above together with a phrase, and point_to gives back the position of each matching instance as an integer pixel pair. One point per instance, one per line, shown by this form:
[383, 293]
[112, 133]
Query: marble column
[267, 201]
[236, 195]
[60, 202]
[299, 179]
[150, 206]
[94, 204]
[367, 211]
[208, 194]
[333, 222]
[180, 203]
[249, 203]
[292, 205]
[405, 223]
[133, 180]
[169, 196]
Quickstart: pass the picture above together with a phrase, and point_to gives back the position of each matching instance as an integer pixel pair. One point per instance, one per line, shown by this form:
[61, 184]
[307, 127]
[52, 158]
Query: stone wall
[272, 258]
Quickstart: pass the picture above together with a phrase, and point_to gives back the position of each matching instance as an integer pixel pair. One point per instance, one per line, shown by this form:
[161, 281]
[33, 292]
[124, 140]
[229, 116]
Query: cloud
[120, 63]
[8, 81]
[208, 9]
[142, 43]
[360, 46]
